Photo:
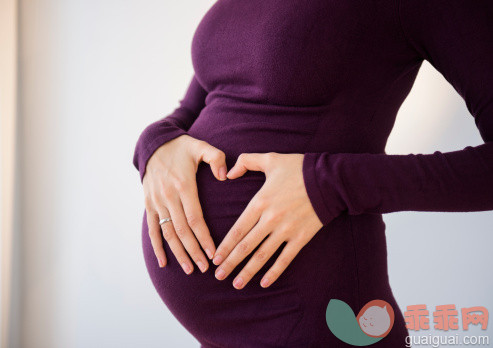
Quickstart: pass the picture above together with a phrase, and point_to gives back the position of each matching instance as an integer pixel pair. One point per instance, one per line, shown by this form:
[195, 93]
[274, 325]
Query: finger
[195, 218]
[185, 234]
[248, 161]
[154, 231]
[215, 158]
[169, 234]
[288, 253]
[243, 249]
[258, 260]
[241, 227]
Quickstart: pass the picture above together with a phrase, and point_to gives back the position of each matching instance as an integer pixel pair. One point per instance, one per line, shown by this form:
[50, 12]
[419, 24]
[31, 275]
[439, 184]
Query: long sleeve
[456, 37]
[175, 124]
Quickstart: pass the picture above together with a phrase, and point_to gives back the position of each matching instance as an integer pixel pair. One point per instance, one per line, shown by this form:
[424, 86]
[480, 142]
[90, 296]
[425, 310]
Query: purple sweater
[326, 79]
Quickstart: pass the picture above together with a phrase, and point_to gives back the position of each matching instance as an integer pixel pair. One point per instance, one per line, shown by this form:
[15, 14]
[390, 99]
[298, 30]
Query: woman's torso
[290, 77]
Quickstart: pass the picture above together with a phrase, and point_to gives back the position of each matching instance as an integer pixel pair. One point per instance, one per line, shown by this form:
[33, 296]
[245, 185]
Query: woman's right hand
[170, 190]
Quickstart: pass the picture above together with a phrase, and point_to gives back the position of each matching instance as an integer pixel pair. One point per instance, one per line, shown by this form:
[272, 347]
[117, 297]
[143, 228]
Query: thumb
[216, 159]
[245, 162]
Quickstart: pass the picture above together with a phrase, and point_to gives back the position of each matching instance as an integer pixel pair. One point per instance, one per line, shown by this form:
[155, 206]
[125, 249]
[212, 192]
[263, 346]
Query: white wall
[438, 258]
[93, 75]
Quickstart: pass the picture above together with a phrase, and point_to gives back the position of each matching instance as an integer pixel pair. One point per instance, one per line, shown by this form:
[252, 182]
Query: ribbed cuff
[322, 186]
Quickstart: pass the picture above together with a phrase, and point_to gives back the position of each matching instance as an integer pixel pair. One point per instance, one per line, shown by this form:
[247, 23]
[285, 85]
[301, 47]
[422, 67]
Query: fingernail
[186, 268]
[238, 283]
[161, 262]
[201, 266]
[209, 253]
[217, 259]
[264, 282]
[220, 274]
[222, 173]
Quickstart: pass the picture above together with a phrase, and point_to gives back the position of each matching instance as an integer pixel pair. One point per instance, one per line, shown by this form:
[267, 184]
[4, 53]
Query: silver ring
[162, 221]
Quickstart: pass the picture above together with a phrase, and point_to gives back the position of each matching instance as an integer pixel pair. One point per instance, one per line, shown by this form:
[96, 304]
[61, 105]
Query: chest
[286, 51]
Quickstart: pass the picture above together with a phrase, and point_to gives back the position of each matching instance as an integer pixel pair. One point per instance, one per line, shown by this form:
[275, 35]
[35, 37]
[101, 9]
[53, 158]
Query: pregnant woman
[296, 100]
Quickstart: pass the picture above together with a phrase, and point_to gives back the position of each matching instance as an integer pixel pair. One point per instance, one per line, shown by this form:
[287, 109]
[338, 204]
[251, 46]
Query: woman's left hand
[280, 209]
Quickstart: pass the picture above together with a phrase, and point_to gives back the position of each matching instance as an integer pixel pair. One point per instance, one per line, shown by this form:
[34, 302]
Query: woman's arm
[169, 127]
[456, 37]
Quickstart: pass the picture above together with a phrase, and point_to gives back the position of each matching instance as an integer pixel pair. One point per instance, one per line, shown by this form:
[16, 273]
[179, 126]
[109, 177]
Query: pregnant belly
[218, 315]
[213, 310]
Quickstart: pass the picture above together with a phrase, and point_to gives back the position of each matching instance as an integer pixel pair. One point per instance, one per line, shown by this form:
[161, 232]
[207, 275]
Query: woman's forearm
[357, 183]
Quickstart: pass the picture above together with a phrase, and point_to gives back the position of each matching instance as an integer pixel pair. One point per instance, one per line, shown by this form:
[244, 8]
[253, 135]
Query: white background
[93, 74]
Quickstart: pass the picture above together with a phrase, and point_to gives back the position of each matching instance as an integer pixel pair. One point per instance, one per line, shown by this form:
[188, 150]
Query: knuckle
[243, 247]
[167, 234]
[273, 218]
[226, 265]
[272, 157]
[199, 147]
[152, 233]
[193, 220]
[148, 201]
[260, 255]
[180, 231]
[180, 184]
[284, 230]
[263, 200]
[167, 193]
[201, 144]
[283, 262]
[237, 233]
[196, 254]
[259, 205]
[155, 244]
[219, 155]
